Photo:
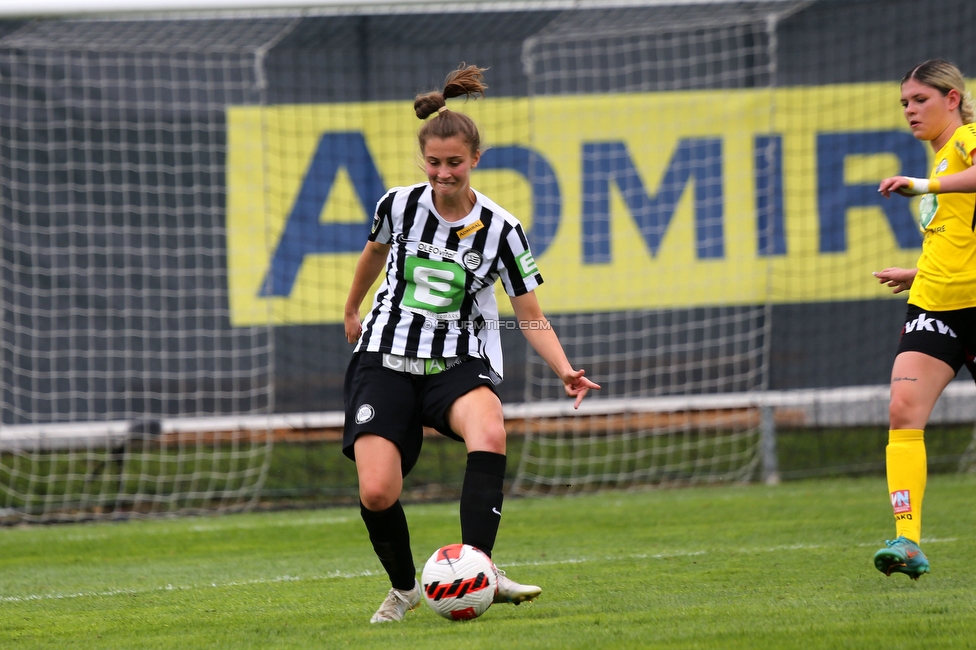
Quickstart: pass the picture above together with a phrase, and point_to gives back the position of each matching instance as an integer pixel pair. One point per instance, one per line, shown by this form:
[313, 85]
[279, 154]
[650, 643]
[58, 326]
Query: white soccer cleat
[509, 591]
[397, 604]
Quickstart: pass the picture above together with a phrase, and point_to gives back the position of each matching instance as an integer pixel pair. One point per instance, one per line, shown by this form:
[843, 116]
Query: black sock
[391, 540]
[481, 499]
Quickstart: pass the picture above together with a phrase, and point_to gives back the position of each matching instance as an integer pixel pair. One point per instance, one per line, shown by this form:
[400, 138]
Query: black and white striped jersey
[437, 298]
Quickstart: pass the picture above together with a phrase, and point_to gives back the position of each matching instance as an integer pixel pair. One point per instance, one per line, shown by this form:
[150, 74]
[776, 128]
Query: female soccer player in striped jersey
[428, 352]
[939, 335]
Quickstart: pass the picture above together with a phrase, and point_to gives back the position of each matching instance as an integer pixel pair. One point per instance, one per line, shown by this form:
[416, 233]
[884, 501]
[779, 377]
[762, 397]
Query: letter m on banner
[609, 162]
[304, 233]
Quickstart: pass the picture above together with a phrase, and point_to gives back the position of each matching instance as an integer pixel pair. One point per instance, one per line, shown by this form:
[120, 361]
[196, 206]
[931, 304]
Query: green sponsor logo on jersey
[926, 210]
[526, 264]
[433, 286]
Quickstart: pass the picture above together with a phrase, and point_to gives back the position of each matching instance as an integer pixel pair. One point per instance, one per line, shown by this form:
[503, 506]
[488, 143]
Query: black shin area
[481, 499]
[391, 540]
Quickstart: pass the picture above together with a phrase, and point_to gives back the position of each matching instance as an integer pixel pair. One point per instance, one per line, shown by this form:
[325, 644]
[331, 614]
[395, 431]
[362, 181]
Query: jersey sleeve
[964, 140]
[381, 230]
[516, 266]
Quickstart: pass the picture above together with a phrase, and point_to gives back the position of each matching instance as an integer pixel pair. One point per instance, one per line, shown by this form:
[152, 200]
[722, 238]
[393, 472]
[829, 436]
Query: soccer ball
[459, 582]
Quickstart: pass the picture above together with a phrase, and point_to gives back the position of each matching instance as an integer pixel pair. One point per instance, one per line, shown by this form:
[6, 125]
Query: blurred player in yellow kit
[939, 335]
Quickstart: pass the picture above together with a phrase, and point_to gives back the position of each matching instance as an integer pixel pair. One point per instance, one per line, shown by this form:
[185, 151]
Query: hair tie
[441, 109]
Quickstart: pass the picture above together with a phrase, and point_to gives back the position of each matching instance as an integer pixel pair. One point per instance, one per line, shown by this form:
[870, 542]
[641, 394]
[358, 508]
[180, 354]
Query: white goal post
[61, 8]
[113, 254]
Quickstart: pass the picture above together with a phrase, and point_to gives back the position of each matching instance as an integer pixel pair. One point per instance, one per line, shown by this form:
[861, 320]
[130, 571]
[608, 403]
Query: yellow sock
[907, 472]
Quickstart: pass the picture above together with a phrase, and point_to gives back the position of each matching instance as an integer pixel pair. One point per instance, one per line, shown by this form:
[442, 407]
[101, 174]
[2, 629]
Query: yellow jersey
[946, 277]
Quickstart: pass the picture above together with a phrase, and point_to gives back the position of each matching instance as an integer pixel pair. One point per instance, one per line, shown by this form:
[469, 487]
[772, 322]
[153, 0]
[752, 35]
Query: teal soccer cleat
[901, 555]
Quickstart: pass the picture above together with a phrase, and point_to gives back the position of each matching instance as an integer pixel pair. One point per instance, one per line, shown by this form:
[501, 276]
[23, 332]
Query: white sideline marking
[664, 556]
[169, 587]
[363, 574]
[308, 521]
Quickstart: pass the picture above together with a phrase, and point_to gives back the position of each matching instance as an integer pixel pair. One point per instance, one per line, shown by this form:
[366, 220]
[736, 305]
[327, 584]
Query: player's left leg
[461, 403]
[478, 418]
[917, 380]
[907, 472]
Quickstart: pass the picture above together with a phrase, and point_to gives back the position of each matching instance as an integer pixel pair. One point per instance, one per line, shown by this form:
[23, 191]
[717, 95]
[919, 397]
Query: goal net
[661, 196]
[185, 197]
[115, 302]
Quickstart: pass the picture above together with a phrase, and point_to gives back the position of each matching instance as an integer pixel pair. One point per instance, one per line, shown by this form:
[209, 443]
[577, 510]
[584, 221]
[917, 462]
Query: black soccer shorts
[397, 405]
[949, 336]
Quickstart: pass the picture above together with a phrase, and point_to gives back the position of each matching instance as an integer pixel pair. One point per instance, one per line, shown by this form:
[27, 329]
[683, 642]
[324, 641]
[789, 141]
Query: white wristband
[917, 186]
[921, 185]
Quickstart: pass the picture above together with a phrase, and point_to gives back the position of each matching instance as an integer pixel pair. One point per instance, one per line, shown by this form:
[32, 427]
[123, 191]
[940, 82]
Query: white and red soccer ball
[459, 582]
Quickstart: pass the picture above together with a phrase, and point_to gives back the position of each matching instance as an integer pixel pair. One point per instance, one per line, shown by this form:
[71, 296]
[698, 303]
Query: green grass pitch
[715, 567]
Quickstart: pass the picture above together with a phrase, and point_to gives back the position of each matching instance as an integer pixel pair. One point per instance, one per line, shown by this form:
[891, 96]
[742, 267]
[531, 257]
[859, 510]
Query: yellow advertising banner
[630, 201]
